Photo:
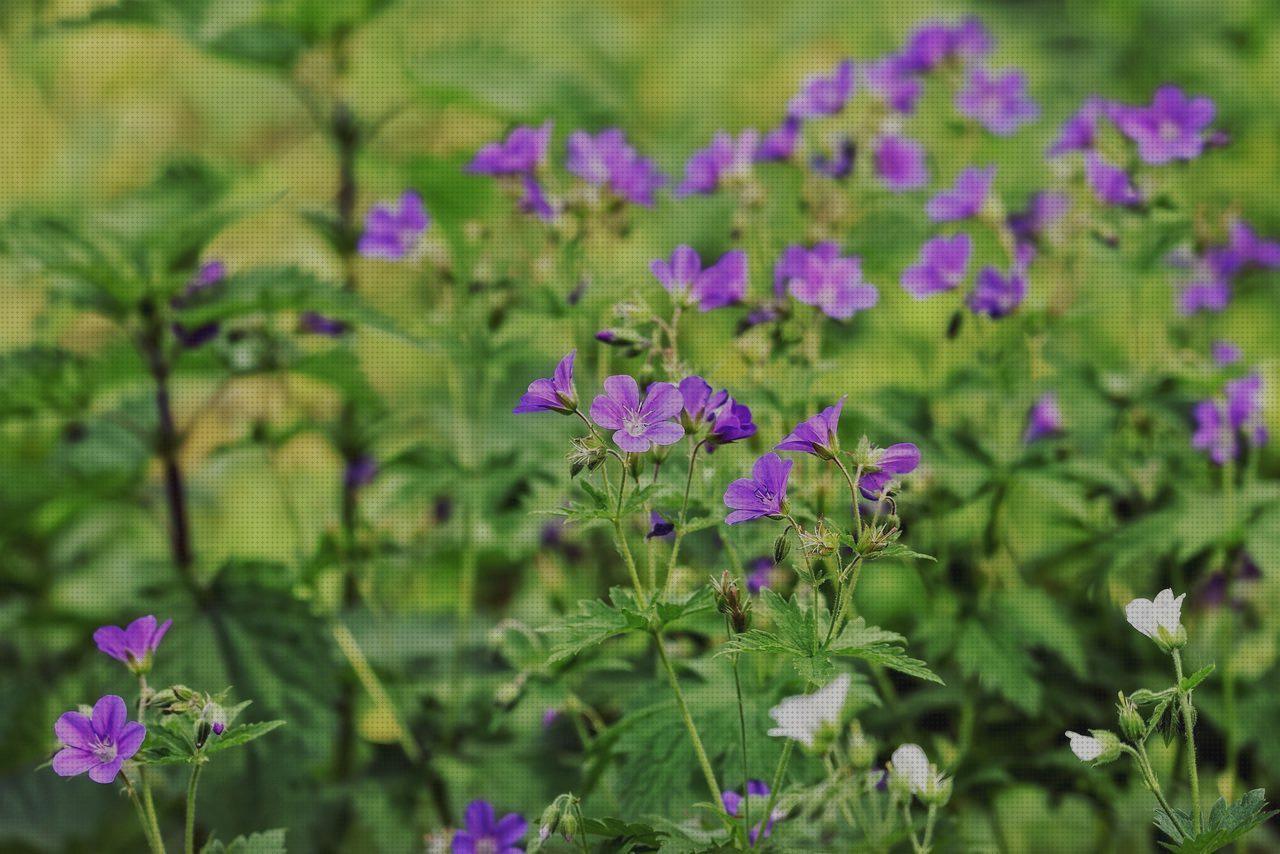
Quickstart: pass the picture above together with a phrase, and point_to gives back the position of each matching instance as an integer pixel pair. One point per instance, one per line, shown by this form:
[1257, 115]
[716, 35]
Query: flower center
[634, 424]
[104, 751]
[488, 845]
[1168, 131]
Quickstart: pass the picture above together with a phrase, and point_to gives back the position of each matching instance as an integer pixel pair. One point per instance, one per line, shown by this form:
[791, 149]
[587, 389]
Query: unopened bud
[781, 548]
[1132, 725]
[862, 750]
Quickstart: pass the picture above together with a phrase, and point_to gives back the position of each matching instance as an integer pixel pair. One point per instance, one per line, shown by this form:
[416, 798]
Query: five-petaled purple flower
[998, 102]
[99, 744]
[554, 394]
[933, 43]
[1226, 353]
[900, 163]
[723, 283]
[391, 233]
[1044, 418]
[1080, 132]
[135, 644]
[729, 420]
[638, 426]
[822, 277]
[891, 80]
[732, 802]
[824, 95]
[996, 294]
[780, 143]
[1044, 209]
[523, 152]
[942, 266]
[817, 435]
[659, 526]
[763, 494]
[485, 833]
[607, 159]
[965, 198]
[726, 158]
[1111, 184]
[899, 459]
[1219, 424]
[1172, 128]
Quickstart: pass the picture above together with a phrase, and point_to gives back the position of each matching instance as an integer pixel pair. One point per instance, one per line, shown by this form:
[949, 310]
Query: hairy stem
[684, 510]
[189, 845]
[149, 829]
[1188, 725]
[703, 761]
[778, 773]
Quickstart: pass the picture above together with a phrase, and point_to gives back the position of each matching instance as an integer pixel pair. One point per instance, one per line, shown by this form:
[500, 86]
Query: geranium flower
[1111, 184]
[1080, 132]
[523, 152]
[726, 158]
[899, 459]
[391, 233]
[1171, 128]
[824, 95]
[1044, 209]
[733, 806]
[638, 426]
[891, 80]
[485, 833]
[942, 266]
[723, 283]
[900, 163]
[802, 717]
[134, 645]
[999, 103]
[99, 744]
[763, 494]
[780, 143]
[817, 435]
[556, 394]
[1097, 748]
[823, 278]
[965, 198]
[1160, 620]
[607, 159]
[1044, 419]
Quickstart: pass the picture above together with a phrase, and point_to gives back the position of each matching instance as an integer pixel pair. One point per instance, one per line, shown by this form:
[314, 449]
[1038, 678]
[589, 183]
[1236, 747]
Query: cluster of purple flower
[1209, 274]
[1222, 424]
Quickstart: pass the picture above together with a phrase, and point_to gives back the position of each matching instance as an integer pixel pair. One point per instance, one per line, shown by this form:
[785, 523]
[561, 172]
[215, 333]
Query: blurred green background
[99, 99]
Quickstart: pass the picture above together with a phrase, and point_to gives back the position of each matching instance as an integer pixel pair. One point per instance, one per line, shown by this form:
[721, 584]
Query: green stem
[928, 827]
[149, 830]
[698, 749]
[742, 736]
[1153, 783]
[190, 836]
[620, 537]
[684, 510]
[911, 828]
[778, 774]
[1188, 722]
[853, 495]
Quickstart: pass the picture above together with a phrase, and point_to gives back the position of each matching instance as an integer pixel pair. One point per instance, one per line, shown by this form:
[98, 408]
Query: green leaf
[264, 842]
[1226, 824]
[1189, 683]
[595, 623]
[999, 664]
[882, 647]
[238, 735]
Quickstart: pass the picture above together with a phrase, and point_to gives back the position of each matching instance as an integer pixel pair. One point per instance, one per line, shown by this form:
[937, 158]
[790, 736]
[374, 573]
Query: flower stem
[778, 773]
[928, 827]
[1188, 723]
[684, 510]
[698, 749]
[149, 829]
[910, 826]
[620, 537]
[1153, 783]
[742, 735]
[190, 835]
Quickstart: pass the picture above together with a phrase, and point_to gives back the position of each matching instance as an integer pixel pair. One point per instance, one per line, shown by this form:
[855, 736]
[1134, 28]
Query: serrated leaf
[1189, 683]
[238, 735]
[595, 623]
[264, 842]
[880, 646]
[1226, 824]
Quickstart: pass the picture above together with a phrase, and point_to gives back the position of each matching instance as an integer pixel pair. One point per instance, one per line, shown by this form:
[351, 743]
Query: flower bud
[1099, 747]
[587, 453]
[862, 750]
[729, 601]
[1132, 726]
[781, 548]
[937, 791]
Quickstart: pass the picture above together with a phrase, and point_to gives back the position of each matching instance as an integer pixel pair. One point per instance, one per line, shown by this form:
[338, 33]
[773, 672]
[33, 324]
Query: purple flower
[729, 420]
[1213, 433]
[1171, 128]
[317, 324]
[550, 716]
[1044, 419]
[900, 163]
[721, 284]
[732, 802]
[1219, 424]
[607, 159]
[780, 143]
[760, 575]
[823, 278]
[523, 152]
[1244, 408]
[899, 459]
[659, 527]
[1247, 248]
[638, 425]
[1044, 209]
[534, 199]
[209, 274]
[135, 644]
[934, 43]
[391, 233]
[1226, 353]
[942, 266]
[824, 96]
[890, 79]
[361, 471]
[1080, 132]
[485, 833]
[965, 198]
[971, 40]
[556, 394]
[838, 164]
[763, 494]
[193, 338]
[999, 103]
[818, 435]
[997, 295]
[1210, 293]
[99, 744]
[1111, 184]
[724, 159]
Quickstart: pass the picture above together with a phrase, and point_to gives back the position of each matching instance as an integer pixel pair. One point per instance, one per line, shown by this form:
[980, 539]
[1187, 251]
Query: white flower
[1085, 747]
[1160, 620]
[802, 716]
[910, 764]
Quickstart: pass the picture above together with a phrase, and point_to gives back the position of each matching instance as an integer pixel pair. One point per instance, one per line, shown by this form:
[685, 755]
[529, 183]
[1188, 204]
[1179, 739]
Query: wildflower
[999, 103]
[934, 43]
[1213, 433]
[890, 79]
[485, 833]
[1160, 620]
[1044, 419]
[198, 337]
[1226, 353]
[804, 716]
[556, 394]
[523, 152]
[721, 284]
[535, 200]
[638, 426]
[824, 96]
[1244, 249]
[1044, 210]
[900, 163]
[1098, 748]
[942, 266]
[317, 324]
[758, 789]
[1207, 293]
[607, 159]
[134, 645]
[1244, 407]
[780, 143]
[549, 717]
[997, 295]
[361, 472]
[910, 766]
[659, 527]
[209, 274]
[837, 165]
[1220, 423]
[1080, 132]
[391, 233]
[965, 198]
[100, 743]
[763, 494]
[1171, 128]
[902, 458]
[822, 277]
[817, 435]
[1111, 184]
[725, 159]
[760, 575]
